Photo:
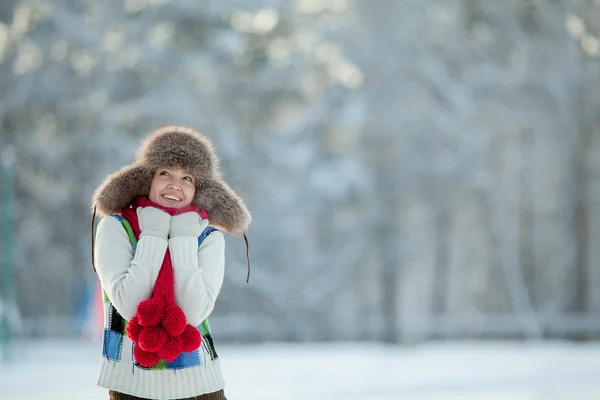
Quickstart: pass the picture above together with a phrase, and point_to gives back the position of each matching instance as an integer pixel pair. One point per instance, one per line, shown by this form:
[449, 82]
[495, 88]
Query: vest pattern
[114, 327]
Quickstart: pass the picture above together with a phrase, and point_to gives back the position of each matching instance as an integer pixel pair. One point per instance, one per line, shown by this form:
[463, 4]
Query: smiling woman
[161, 268]
[172, 187]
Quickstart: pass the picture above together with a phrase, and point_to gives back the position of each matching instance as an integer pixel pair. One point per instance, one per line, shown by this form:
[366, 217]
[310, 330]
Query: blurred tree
[417, 169]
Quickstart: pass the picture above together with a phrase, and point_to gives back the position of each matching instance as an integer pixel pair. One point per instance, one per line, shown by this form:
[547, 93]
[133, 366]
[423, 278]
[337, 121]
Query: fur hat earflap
[176, 147]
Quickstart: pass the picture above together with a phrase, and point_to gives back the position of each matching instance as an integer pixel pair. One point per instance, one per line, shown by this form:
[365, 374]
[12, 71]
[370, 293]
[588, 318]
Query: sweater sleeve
[198, 274]
[126, 278]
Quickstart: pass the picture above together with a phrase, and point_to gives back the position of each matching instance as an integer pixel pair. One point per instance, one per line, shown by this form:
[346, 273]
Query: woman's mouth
[171, 198]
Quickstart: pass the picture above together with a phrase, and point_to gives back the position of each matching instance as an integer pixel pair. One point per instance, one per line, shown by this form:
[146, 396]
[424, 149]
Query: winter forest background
[416, 169]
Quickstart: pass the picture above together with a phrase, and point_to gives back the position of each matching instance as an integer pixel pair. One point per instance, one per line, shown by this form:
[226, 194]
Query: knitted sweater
[127, 274]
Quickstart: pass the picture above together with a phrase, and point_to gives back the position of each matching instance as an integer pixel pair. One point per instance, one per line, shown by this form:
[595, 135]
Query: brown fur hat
[176, 147]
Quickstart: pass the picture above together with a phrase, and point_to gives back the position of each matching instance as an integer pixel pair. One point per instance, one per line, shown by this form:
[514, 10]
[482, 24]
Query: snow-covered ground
[446, 371]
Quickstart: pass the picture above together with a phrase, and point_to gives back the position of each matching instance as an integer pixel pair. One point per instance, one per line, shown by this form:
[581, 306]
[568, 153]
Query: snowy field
[446, 371]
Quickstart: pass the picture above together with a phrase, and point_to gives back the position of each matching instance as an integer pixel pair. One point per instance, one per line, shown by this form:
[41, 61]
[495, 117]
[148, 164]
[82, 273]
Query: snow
[353, 371]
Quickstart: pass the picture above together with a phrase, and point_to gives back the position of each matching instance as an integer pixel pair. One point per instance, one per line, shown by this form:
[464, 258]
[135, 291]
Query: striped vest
[114, 326]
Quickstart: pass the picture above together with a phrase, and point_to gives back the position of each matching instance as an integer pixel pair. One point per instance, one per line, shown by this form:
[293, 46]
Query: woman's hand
[187, 224]
[153, 222]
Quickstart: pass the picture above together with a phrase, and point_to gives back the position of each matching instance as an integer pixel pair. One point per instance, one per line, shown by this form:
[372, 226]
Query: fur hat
[176, 147]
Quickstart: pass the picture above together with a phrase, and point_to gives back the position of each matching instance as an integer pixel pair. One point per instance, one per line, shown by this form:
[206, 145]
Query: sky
[49, 370]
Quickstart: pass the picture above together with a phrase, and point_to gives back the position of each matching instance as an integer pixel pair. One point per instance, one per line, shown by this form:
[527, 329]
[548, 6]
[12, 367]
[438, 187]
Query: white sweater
[128, 278]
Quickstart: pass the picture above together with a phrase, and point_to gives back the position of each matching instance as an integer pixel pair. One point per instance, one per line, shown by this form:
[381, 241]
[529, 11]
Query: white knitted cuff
[184, 252]
[150, 250]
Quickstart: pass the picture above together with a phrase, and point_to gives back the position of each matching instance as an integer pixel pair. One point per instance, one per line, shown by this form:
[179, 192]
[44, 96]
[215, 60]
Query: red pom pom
[173, 320]
[152, 338]
[171, 349]
[145, 358]
[133, 329]
[191, 339]
[149, 312]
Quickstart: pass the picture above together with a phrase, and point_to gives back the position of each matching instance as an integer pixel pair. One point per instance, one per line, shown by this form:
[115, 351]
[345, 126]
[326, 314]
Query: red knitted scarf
[159, 329]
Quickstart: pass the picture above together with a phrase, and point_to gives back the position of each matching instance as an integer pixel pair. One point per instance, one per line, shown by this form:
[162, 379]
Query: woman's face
[172, 187]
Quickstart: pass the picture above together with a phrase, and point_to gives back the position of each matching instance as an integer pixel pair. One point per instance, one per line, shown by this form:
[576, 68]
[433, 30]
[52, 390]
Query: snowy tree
[415, 169]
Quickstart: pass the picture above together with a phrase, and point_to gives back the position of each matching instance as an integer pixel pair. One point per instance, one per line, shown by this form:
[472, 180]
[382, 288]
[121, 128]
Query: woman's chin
[172, 204]
[161, 201]
[167, 203]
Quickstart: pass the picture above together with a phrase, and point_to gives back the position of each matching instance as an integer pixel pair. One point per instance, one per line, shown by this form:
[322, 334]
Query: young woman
[159, 255]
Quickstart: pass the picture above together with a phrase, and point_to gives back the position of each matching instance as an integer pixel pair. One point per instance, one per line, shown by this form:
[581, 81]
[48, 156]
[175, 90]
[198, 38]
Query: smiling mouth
[171, 197]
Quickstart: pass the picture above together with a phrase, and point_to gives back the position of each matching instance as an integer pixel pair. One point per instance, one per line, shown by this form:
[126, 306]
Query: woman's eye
[163, 173]
[188, 178]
